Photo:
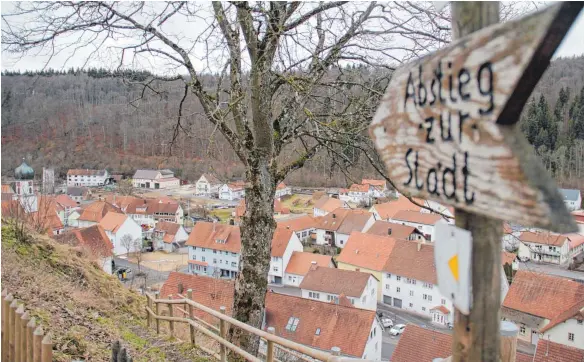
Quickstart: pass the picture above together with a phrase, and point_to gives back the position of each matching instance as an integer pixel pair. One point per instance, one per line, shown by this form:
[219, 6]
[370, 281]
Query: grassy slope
[84, 309]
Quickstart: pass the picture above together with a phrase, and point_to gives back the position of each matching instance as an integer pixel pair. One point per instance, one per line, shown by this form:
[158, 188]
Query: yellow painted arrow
[453, 264]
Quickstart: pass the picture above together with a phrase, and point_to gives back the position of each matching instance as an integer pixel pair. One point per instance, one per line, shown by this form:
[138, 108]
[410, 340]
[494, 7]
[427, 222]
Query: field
[161, 261]
[223, 214]
[298, 203]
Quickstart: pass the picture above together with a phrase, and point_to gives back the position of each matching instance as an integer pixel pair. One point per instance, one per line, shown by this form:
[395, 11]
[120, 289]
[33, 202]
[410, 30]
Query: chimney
[313, 262]
[356, 251]
[389, 231]
[313, 266]
[334, 216]
[288, 227]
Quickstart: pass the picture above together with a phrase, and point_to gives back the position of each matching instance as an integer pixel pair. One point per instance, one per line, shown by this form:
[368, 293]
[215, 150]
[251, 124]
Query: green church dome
[24, 172]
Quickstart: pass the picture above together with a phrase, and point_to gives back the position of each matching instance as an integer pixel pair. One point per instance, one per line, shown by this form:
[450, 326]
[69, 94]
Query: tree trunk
[257, 229]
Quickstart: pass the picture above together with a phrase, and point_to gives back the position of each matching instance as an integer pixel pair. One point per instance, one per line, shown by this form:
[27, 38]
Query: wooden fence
[155, 306]
[22, 339]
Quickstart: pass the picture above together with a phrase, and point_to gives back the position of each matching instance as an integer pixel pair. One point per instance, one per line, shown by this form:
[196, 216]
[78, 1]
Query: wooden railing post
[30, 340]
[157, 295]
[270, 350]
[47, 349]
[223, 333]
[37, 343]
[190, 307]
[24, 319]
[149, 305]
[4, 317]
[18, 333]
[170, 314]
[6, 326]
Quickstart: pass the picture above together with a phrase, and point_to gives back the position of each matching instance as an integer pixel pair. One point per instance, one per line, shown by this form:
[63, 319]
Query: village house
[78, 194]
[326, 205]
[357, 332]
[378, 188]
[367, 253]
[94, 212]
[409, 282]
[279, 210]
[358, 194]
[169, 236]
[66, 209]
[213, 293]
[7, 193]
[95, 241]
[214, 249]
[87, 178]
[155, 179]
[123, 232]
[301, 262]
[166, 211]
[328, 284]
[303, 226]
[207, 185]
[387, 210]
[548, 351]
[232, 191]
[546, 307]
[548, 247]
[284, 243]
[398, 231]
[572, 199]
[282, 190]
[334, 228]
[424, 222]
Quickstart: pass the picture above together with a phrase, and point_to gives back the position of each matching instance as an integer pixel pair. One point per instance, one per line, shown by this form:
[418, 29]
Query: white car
[397, 329]
[386, 322]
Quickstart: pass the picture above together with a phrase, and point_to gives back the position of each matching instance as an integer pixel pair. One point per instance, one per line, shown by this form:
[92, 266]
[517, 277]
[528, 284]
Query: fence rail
[153, 311]
[22, 339]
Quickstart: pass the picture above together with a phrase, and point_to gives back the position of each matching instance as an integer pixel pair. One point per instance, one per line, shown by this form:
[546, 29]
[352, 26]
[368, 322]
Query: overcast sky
[573, 44]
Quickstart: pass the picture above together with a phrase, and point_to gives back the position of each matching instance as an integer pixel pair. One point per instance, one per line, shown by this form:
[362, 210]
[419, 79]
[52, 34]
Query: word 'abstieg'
[447, 91]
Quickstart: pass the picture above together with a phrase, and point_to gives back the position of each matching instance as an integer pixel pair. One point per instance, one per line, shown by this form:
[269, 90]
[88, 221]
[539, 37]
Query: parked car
[397, 329]
[386, 322]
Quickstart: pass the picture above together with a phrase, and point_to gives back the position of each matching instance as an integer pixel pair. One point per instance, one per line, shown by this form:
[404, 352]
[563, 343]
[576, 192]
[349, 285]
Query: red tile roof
[398, 231]
[112, 221]
[280, 241]
[543, 237]
[421, 344]
[574, 311]
[328, 204]
[97, 210]
[523, 357]
[93, 238]
[281, 186]
[299, 223]
[507, 257]
[168, 228]
[543, 295]
[425, 218]
[211, 292]
[211, 179]
[575, 240]
[65, 201]
[300, 262]
[359, 188]
[7, 189]
[344, 221]
[85, 172]
[407, 261]
[367, 251]
[372, 182]
[388, 209]
[548, 351]
[343, 327]
[442, 309]
[336, 281]
[12, 209]
[205, 235]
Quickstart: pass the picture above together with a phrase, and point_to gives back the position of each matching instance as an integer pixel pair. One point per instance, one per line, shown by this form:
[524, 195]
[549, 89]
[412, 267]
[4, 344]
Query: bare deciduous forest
[89, 119]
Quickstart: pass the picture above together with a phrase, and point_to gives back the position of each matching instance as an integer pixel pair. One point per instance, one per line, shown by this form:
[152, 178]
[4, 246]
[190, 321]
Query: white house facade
[207, 185]
[284, 243]
[572, 198]
[87, 178]
[213, 262]
[300, 263]
[283, 190]
[545, 247]
[155, 179]
[231, 192]
[336, 227]
[119, 228]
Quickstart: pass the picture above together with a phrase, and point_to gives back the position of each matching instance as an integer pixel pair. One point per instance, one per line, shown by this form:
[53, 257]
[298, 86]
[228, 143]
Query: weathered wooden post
[223, 332]
[6, 326]
[148, 306]
[4, 317]
[270, 348]
[47, 349]
[171, 314]
[157, 295]
[12, 330]
[30, 340]
[190, 309]
[38, 343]
[18, 333]
[446, 130]
[24, 319]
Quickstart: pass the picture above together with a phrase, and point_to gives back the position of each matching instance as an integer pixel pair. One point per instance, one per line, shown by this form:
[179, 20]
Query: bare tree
[126, 187]
[128, 243]
[301, 77]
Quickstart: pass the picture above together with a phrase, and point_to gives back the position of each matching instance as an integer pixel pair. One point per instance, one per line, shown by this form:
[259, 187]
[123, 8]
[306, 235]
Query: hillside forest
[98, 119]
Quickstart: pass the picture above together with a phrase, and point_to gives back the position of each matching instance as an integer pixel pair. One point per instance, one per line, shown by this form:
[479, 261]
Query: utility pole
[476, 336]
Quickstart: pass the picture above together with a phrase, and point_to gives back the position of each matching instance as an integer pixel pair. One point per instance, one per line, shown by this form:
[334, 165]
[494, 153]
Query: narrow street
[152, 276]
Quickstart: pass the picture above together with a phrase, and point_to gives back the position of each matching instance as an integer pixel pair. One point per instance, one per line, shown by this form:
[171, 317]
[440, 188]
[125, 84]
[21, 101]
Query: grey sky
[571, 46]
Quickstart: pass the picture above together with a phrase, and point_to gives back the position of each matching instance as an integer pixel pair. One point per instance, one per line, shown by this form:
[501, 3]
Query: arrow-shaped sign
[445, 125]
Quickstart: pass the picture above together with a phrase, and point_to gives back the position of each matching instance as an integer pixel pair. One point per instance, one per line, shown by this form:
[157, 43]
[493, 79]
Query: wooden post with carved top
[476, 336]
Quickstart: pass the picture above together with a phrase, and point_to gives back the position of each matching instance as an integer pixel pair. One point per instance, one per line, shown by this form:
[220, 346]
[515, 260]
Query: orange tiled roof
[543, 237]
[281, 186]
[336, 281]
[421, 344]
[574, 311]
[398, 231]
[205, 234]
[372, 182]
[7, 189]
[112, 221]
[367, 251]
[65, 200]
[388, 209]
[523, 357]
[344, 221]
[168, 228]
[359, 188]
[299, 223]
[328, 204]
[343, 327]
[97, 210]
[12, 208]
[417, 217]
[442, 309]
[548, 351]
[507, 257]
[575, 240]
[406, 261]
[300, 262]
[210, 292]
[93, 238]
[543, 295]
[280, 241]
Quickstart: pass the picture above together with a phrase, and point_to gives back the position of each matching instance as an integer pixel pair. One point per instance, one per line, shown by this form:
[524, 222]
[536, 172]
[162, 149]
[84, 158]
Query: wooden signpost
[446, 130]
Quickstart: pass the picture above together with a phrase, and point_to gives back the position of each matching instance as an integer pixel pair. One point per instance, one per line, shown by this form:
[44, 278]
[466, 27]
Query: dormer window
[220, 241]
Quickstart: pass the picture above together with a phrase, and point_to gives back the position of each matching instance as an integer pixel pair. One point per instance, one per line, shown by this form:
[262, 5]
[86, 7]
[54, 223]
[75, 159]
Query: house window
[411, 293]
[571, 337]
[423, 309]
[292, 324]
[203, 249]
[275, 268]
[214, 261]
[398, 278]
[214, 251]
[397, 289]
[314, 295]
[411, 305]
[386, 286]
[443, 301]
[203, 258]
[233, 264]
[580, 322]
[522, 330]
[317, 332]
[388, 276]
